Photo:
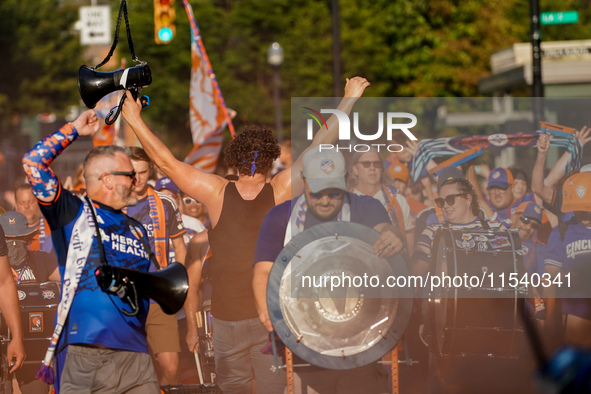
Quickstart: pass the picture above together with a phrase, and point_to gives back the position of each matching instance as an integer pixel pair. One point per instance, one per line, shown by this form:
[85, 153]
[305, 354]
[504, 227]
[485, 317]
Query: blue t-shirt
[95, 316]
[533, 258]
[364, 210]
[572, 255]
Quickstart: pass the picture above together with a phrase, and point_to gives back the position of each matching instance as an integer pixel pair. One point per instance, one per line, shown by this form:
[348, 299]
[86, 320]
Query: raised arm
[204, 187]
[283, 183]
[473, 179]
[537, 177]
[557, 171]
[36, 161]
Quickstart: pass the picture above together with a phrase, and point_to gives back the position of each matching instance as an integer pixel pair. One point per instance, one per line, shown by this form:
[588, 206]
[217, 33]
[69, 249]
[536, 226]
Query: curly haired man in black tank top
[236, 210]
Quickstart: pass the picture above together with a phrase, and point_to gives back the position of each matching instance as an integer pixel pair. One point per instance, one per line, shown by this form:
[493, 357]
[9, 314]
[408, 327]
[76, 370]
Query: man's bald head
[101, 159]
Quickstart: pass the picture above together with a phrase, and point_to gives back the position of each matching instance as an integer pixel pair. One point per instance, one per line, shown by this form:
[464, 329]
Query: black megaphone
[168, 287]
[94, 85]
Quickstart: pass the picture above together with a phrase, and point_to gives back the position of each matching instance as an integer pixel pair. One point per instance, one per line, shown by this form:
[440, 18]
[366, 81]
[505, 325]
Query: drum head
[329, 300]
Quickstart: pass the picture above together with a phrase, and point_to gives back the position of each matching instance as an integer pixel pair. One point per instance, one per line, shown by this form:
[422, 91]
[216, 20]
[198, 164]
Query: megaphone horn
[94, 85]
[168, 287]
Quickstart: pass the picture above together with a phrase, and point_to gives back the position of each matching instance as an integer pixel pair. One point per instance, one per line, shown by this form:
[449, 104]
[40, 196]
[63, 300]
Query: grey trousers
[92, 370]
[238, 358]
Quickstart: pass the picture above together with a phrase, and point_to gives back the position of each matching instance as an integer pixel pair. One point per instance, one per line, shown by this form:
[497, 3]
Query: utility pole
[336, 48]
[537, 85]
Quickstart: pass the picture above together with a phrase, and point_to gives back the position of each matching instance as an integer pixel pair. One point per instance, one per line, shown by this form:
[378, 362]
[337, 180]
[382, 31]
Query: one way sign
[95, 25]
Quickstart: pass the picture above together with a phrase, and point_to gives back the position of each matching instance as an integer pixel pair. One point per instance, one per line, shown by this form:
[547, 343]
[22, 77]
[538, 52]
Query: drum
[38, 303]
[337, 326]
[476, 317]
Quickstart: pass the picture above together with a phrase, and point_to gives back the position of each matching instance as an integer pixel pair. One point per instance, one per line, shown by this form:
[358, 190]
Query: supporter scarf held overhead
[440, 147]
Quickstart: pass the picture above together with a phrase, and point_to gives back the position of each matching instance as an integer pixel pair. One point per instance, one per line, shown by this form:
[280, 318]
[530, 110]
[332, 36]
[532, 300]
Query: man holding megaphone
[97, 345]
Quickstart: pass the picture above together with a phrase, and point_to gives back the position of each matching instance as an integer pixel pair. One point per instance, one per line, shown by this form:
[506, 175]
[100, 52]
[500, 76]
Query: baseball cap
[15, 224]
[530, 210]
[449, 173]
[395, 169]
[575, 193]
[324, 170]
[500, 177]
[166, 183]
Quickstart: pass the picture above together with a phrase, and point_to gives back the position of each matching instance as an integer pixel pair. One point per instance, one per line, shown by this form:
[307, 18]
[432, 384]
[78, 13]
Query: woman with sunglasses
[460, 206]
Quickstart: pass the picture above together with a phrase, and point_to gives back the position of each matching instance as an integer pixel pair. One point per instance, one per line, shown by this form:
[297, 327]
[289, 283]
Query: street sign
[559, 18]
[95, 25]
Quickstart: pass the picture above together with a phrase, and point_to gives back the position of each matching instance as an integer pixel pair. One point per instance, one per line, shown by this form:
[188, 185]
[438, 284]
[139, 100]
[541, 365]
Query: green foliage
[406, 48]
[40, 57]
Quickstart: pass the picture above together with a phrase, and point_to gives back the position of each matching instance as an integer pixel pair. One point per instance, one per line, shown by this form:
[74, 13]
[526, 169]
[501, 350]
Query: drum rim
[368, 356]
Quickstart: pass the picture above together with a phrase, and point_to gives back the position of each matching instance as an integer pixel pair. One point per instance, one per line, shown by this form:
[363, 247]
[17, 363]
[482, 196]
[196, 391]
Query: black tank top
[233, 241]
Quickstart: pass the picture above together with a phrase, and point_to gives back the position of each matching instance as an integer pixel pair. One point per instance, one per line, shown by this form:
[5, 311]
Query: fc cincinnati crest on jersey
[327, 166]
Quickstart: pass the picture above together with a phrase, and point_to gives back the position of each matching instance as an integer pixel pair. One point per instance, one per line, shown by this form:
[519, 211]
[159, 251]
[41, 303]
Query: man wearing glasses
[96, 347]
[367, 178]
[324, 199]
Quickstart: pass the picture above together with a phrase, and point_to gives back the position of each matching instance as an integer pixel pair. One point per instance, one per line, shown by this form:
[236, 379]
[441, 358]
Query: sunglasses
[130, 174]
[450, 200]
[367, 164]
[189, 201]
[532, 223]
[321, 194]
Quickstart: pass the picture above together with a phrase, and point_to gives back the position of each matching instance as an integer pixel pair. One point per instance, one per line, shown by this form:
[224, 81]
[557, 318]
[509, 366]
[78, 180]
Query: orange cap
[576, 193]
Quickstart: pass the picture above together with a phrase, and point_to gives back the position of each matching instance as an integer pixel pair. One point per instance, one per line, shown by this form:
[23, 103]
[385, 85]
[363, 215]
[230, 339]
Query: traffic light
[164, 29]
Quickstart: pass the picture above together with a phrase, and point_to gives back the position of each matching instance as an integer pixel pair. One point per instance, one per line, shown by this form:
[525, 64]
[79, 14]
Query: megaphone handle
[112, 117]
[198, 363]
[133, 303]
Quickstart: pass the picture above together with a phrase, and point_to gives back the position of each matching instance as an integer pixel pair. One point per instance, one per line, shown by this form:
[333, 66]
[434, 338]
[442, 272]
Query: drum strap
[484, 223]
[289, 370]
[394, 368]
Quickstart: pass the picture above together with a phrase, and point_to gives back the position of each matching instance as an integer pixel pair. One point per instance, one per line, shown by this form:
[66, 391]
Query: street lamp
[275, 59]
